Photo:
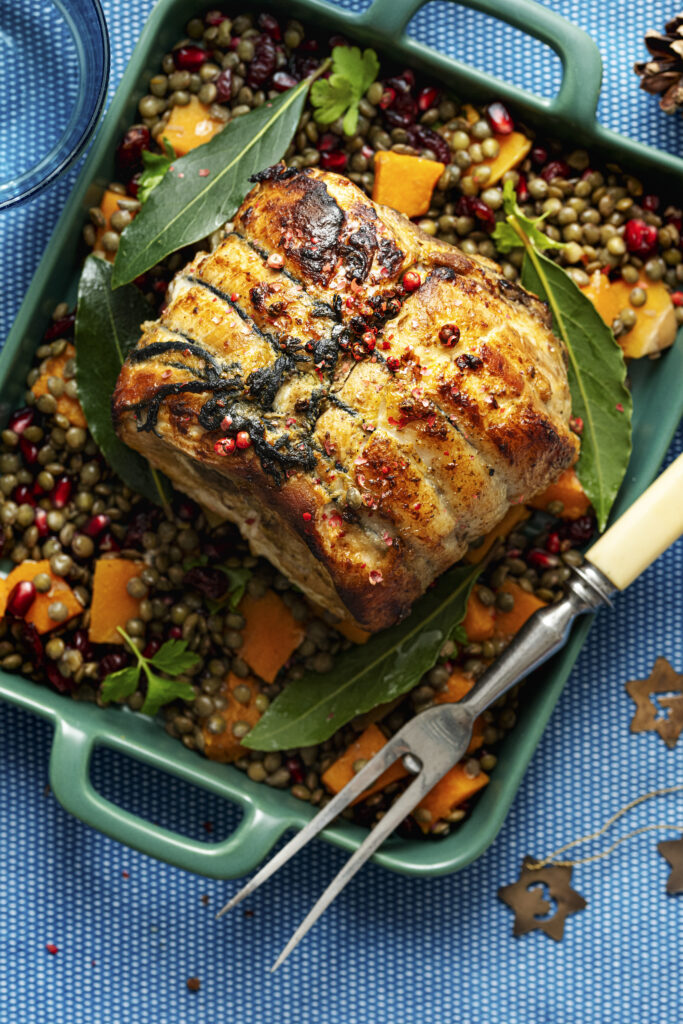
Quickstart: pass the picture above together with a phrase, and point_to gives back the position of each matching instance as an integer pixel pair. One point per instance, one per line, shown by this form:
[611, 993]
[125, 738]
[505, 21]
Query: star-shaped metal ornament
[672, 851]
[525, 898]
[662, 680]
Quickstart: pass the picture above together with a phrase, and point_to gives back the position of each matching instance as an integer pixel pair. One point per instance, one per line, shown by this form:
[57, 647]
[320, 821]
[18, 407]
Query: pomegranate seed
[29, 450]
[189, 58]
[243, 440]
[411, 281]
[540, 559]
[224, 86]
[555, 169]
[59, 681]
[469, 206]
[337, 41]
[22, 495]
[387, 98]
[40, 521]
[36, 490]
[187, 510]
[650, 203]
[268, 24]
[95, 526]
[309, 45]
[640, 238]
[113, 662]
[81, 643]
[427, 98]
[677, 298]
[581, 530]
[60, 327]
[108, 542]
[499, 119]
[214, 18]
[133, 185]
[522, 189]
[553, 543]
[393, 363]
[61, 492]
[224, 446]
[129, 150]
[175, 633]
[449, 335]
[21, 419]
[295, 769]
[368, 152]
[334, 161]
[539, 155]
[30, 638]
[282, 81]
[327, 142]
[151, 648]
[21, 598]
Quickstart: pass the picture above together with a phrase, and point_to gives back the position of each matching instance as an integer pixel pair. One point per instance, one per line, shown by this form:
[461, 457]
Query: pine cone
[663, 73]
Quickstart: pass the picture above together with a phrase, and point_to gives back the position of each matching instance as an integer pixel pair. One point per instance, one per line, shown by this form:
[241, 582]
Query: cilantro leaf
[162, 691]
[174, 658]
[155, 167]
[353, 73]
[505, 236]
[119, 685]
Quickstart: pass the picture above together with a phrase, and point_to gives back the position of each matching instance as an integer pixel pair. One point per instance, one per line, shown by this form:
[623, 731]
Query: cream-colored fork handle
[649, 527]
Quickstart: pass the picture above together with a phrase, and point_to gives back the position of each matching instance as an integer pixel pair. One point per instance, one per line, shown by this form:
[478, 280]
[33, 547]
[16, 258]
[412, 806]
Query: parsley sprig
[506, 235]
[353, 73]
[155, 167]
[173, 659]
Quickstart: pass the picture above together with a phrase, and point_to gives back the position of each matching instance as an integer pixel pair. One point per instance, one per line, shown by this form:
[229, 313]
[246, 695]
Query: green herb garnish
[339, 95]
[155, 167]
[597, 371]
[507, 237]
[206, 187]
[310, 709]
[107, 328]
[173, 659]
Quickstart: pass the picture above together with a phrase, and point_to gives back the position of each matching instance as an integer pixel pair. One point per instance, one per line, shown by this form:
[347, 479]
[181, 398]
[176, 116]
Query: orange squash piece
[567, 489]
[458, 686]
[405, 182]
[655, 327]
[450, 792]
[225, 746]
[353, 632]
[363, 748]
[67, 406]
[479, 620]
[37, 614]
[109, 204]
[111, 604]
[270, 636]
[513, 149]
[189, 126]
[515, 514]
[509, 623]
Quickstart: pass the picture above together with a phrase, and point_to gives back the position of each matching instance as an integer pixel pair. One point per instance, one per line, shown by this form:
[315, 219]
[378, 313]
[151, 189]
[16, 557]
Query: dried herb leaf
[107, 328]
[204, 189]
[310, 709]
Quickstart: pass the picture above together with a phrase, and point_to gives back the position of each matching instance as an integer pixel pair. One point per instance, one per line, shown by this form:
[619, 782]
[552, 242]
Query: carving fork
[435, 740]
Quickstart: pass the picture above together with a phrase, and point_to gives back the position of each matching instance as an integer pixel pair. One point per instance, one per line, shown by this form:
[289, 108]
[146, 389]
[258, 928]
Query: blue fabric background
[130, 930]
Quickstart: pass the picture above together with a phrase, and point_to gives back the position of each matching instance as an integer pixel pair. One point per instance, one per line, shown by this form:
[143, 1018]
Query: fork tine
[395, 748]
[394, 816]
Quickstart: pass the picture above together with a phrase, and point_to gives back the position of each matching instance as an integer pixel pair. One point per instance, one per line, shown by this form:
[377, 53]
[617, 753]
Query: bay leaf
[107, 328]
[310, 709]
[203, 190]
[597, 380]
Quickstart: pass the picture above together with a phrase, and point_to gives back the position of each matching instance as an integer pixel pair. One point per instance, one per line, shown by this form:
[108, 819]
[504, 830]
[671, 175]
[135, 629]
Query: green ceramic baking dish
[79, 728]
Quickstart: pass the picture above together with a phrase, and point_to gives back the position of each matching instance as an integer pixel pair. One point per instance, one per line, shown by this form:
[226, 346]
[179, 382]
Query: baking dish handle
[577, 100]
[69, 774]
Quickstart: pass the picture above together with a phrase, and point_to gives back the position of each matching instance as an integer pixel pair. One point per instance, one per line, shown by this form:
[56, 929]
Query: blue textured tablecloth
[391, 950]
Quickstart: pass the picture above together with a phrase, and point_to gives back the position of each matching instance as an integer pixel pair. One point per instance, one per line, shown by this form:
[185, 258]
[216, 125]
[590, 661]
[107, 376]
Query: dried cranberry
[81, 643]
[471, 206]
[59, 681]
[310, 45]
[151, 648]
[40, 522]
[555, 169]
[295, 769]
[189, 58]
[402, 110]
[499, 119]
[142, 522]
[175, 633]
[263, 63]
[113, 662]
[22, 495]
[650, 203]
[133, 185]
[61, 492]
[60, 327]
[129, 150]
[21, 419]
[208, 580]
[21, 597]
[186, 509]
[30, 639]
[282, 81]
[267, 23]
[29, 451]
[224, 86]
[108, 543]
[424, 138]
[581, 530]
[539, 155]
[522, 189]
[640, 238]
[327, 142]
[540, 559]
[428, 97]
[96, 525]
[334, 161]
